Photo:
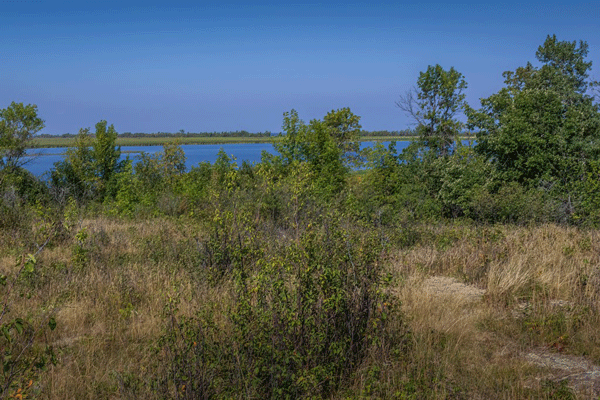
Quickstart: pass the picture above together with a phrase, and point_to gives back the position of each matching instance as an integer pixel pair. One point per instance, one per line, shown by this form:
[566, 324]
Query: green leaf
[18, 324]
[30, 263]
[6, 333]
[52, 323]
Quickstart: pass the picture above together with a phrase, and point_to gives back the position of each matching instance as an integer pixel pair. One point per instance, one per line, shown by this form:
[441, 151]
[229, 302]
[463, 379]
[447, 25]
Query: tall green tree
[105, 152]
[344, 128]
[543, 127]
[89, 170]
[75, 174]
[435, 105]
[564, 70]
[294, 129]
[18, 124]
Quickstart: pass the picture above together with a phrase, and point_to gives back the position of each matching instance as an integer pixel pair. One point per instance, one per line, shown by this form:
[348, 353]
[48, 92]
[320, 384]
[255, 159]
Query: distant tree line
[406, 132]
[178, 134]
[412, 133]
[242, 133]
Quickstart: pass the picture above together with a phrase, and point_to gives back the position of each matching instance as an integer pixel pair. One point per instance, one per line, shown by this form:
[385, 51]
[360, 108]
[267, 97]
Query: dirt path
[582, 375]
[442, 285]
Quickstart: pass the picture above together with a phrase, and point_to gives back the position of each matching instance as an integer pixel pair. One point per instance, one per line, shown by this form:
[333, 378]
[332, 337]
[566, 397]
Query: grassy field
[159, 141]
[520, 294]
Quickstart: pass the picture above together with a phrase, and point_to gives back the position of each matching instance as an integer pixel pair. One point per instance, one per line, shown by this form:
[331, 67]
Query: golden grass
[109, 313]
[477, 345]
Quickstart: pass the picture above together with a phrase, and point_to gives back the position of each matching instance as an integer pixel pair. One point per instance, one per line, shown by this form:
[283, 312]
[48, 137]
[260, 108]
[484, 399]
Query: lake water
[41, 161]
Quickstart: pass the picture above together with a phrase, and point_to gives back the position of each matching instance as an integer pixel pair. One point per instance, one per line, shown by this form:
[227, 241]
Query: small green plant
[23, 356]
[192, 362]
[558, 390]
[127, 311]
[80, 250]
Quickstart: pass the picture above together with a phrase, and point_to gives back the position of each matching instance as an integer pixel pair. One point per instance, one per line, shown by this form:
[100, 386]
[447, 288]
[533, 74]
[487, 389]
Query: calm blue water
[41, 161]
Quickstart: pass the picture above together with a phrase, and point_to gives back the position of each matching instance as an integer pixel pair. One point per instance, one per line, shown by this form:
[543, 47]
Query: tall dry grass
[109, 308]
[540, 290]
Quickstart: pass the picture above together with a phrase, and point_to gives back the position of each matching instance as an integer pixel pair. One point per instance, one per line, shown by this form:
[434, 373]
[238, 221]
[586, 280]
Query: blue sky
[225, 66]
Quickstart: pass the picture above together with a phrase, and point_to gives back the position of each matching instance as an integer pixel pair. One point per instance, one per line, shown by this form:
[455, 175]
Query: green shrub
[302, 318]
[512, 203]
[23, 356]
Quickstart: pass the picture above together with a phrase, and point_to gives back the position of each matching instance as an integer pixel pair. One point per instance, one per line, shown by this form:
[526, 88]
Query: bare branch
[408, 104]
[595, 89]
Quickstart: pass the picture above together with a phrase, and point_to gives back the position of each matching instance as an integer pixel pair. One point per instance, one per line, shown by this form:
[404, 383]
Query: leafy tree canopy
[89, 168]
[18, 125]
[543, 127]
[434, 105]
[328, 146]
[105, 152]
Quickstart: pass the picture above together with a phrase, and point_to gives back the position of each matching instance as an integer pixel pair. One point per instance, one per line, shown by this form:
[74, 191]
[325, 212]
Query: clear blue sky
[223, 66]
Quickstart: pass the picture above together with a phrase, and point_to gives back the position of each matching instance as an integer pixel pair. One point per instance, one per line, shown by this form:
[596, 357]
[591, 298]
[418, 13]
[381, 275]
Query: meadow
[139, 314]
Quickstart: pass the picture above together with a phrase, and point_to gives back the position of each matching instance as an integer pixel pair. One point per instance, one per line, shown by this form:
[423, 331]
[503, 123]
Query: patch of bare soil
[582, 375]
[442, 285]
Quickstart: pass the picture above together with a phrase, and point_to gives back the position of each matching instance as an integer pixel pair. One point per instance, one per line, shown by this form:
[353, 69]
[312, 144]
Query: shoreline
[45, 143]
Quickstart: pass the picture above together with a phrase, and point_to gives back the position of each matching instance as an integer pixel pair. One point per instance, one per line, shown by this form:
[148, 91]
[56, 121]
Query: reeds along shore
[49, 142]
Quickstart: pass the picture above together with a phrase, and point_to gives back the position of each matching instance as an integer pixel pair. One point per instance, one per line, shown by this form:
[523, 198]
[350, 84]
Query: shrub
[302, 318]
[23, 355]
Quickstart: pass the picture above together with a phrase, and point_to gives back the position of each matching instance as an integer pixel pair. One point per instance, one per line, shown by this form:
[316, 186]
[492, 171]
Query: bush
[512, 203]
[23, 355]
[302, 318]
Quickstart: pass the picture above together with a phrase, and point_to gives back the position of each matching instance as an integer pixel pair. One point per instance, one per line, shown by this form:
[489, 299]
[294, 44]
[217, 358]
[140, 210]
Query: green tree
[18, 125]
[105, 152]
[294, 129]
[344, 128]
[160, 173]
[162, 168]
[543, 127]
[564, 70]
[325, 157]
[340, 127]
[463, 176]
[75, 174]
[89, 169]
[435, 105]
[325, 145]
[173, 160]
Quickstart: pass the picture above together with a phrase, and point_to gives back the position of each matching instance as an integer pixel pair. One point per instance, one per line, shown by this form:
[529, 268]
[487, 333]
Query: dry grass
[109, 312]
[514, 290]
[541, 292]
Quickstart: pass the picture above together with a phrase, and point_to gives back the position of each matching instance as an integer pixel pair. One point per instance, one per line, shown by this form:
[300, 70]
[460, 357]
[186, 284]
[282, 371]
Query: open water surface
[41, 161]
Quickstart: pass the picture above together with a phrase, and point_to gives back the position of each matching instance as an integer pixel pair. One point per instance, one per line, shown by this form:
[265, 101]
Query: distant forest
[242, 133]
